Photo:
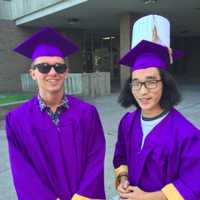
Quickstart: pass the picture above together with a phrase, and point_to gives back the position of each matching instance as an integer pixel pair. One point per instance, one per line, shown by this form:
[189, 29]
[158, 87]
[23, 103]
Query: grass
[8, 98]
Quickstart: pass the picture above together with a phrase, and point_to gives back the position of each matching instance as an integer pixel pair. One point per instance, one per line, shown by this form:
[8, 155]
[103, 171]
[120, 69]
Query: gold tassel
[170, 51]
[155, 39]
[154, 35]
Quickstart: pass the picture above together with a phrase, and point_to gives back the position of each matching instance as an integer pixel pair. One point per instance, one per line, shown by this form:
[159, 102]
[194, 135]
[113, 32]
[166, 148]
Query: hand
[123, 185]
[133, 193]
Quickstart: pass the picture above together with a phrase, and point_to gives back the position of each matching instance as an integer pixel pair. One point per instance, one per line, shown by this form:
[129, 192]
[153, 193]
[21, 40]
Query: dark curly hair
[171, 95]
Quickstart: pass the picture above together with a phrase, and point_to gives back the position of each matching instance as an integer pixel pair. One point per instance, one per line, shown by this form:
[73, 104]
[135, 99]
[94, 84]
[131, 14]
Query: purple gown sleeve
[120, 150]
[92, 183]
[187, 182]
[119, 160]
[120, 147]
[27, 182]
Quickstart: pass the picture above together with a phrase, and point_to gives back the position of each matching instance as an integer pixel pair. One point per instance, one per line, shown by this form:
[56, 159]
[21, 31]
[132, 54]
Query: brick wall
[11, 64]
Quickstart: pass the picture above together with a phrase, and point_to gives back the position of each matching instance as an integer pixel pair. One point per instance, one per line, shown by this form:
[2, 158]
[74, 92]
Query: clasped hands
[126, 191]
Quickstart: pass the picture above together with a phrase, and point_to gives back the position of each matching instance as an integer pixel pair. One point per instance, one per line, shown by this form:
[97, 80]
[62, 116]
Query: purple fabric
[149, 60]
[46, 42]
[50, 161]
[148, 54]
[47, 50]
[171, 154]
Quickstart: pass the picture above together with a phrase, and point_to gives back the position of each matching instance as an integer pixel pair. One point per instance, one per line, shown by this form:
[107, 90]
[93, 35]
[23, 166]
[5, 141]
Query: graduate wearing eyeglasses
[56, 141]
[157, 154]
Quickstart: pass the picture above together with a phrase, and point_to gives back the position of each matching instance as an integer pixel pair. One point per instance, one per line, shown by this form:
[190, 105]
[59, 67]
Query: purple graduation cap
[46, 42]
[148, 54]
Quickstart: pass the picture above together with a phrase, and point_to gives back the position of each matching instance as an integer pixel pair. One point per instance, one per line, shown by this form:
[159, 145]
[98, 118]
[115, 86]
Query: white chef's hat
[153, 28]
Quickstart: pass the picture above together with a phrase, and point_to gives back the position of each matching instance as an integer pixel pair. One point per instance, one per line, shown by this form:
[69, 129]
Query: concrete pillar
[125, 43]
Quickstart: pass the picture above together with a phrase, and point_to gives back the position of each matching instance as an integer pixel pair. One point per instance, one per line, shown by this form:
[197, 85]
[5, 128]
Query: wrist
[123, 177]
[158, 195]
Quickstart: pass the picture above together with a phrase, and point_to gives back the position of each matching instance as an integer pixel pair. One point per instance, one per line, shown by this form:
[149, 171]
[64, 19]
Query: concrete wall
[24, 11]
[5, 10]
[24, 7]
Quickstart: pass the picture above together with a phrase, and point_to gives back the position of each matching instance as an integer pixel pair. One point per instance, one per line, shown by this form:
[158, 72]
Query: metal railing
[85, 84]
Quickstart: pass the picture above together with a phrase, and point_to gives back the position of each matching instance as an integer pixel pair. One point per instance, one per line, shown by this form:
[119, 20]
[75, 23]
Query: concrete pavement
[110, 113]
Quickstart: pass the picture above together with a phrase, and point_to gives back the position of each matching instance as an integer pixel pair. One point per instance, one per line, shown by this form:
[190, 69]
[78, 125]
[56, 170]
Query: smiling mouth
[144, 100]
[53, 80]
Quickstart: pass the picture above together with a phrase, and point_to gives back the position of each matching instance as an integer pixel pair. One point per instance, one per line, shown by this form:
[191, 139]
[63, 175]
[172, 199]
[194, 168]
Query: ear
[32, 74]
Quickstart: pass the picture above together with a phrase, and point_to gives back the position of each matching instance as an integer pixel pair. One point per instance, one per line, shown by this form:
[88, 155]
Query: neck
[152, 113]
[52, 99]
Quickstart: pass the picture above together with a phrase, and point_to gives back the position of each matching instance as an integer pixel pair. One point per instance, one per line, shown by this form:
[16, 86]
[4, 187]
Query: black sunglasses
[45, 68]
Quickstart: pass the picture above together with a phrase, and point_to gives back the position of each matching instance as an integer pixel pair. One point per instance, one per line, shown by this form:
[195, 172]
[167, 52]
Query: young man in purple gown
[56, 141]
[157, 154]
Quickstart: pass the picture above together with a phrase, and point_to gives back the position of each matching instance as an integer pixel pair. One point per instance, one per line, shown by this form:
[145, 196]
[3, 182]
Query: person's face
[147, 95]
[51, 82]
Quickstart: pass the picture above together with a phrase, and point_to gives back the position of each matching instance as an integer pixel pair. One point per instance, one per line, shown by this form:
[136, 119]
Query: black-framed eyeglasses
[45, 68]
[149, 84]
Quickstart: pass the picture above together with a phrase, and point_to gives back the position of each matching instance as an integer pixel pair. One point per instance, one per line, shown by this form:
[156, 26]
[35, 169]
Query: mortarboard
[148, 54]
[46, 42]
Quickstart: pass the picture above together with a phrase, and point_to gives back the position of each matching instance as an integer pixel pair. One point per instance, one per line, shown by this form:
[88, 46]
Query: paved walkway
[110, 113]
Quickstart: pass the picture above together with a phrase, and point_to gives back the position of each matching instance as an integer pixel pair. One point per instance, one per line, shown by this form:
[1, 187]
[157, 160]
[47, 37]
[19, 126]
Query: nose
[143, 89]
[52, 71]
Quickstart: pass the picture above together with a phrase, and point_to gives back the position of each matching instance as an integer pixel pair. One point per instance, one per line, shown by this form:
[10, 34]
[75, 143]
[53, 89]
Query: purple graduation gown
[50, 161]
[171, 154]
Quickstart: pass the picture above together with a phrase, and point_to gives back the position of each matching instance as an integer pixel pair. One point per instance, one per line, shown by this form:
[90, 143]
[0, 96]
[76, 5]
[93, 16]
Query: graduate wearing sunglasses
[56, 141]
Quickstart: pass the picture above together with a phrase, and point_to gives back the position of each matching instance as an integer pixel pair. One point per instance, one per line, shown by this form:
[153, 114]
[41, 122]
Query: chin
[146, 107]
[55, 89]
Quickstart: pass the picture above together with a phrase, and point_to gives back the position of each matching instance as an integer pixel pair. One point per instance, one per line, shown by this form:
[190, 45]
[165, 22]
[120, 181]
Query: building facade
[101, 28]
